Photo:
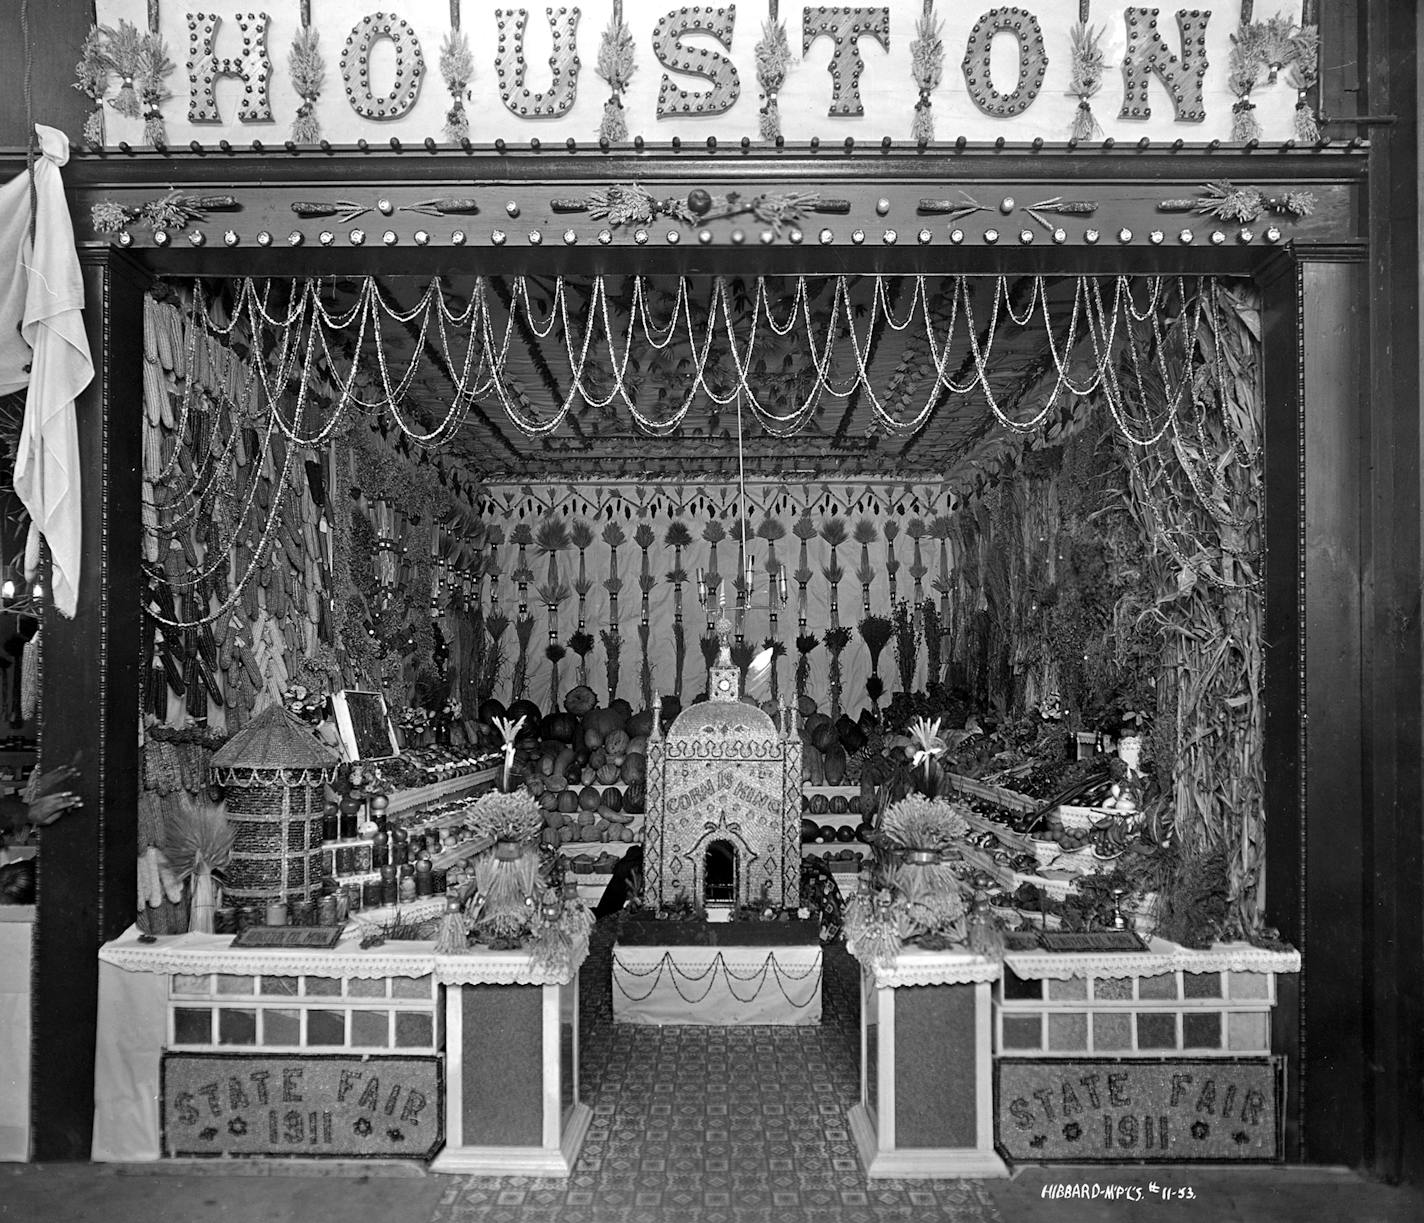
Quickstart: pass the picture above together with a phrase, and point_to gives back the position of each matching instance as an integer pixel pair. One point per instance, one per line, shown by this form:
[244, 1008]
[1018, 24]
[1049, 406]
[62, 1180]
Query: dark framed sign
[1121, 1110]
[364, 723]
[302, 1106]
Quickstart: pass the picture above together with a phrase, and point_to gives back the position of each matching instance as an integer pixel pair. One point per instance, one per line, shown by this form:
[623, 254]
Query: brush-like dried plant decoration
[876, 632]
[581, 533]
[926, 66]
[771, 529]
[865, 573]
[125, 44]
[714, 532]
[154, 66]
[496, 816]
[457, 68]
[916, 822]
[833, 531]
[196, 837]
[773, 59]
[677, 535]
[92, 80]
[614, 535]
[890, 529]
[307, 68]
[523, 535]
[644, 535]
[551, 535]
[1086, 79]
[616, 65]
[866, 532]
[805, 528]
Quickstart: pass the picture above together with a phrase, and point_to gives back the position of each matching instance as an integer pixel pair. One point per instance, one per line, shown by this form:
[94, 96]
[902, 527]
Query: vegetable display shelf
[419, 797]
[926, 1089]
[1165, 1001]
[490, 1037]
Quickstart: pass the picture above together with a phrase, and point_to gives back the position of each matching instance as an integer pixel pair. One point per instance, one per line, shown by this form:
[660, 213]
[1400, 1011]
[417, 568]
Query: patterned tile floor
[716, 1125]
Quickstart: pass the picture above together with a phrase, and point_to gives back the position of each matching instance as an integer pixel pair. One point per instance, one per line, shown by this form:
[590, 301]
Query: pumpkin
[613, 799]
[805, 706]
[489, 710]
[820, 804]
[561, 726]
[580, 700]
[608, 773]
[621, 708]
[635, 767]
[556, 782]
[568, 802]
[616, 744]
[635, 795]
[598, 758]
[839, 804]
[835, 764]
[589, 798]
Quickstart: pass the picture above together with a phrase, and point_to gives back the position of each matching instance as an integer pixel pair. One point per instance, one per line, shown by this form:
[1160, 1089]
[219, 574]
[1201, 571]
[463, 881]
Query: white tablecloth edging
[1161, 957]
[914, 966]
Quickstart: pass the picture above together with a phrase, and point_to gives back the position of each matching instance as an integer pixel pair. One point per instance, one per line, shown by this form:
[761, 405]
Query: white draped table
[666, 984]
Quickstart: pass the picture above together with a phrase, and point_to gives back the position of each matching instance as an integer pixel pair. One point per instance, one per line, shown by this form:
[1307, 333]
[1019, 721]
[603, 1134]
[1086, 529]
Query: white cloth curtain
[43, 347]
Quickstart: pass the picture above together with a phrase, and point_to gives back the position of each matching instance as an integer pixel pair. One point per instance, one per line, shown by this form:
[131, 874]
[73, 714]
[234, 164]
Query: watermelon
[820, 804]
[826, 834]
[839, 804]
[561, 726]
[835, 764]
[845, 833]
[809, 831]
[613, 799]
[589, 798]
[568, 802]
[635, 795]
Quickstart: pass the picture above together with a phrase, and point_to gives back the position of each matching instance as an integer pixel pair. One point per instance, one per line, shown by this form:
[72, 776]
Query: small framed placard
[305, 937]
[364, 724]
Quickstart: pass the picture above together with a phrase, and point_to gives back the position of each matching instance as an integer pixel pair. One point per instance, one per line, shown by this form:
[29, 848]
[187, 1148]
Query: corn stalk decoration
[523, 632]
[805, 531]
[805, 643]
[713, 533]
[892, 564]
[916, 531]
[926, 66]
[837, 639]
[555, 653]
[523, 537]
[307, 68]
[581, 536]
[496, 625]
[907, 645]
[1086, 78]
[711, 645]
[551, 538]
[616, 65]
[833, 531]
[644, 536]
[773, 59]
[865, 534]
[612, 648]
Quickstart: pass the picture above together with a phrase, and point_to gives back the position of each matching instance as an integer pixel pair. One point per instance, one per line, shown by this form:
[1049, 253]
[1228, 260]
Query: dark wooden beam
[88, 877]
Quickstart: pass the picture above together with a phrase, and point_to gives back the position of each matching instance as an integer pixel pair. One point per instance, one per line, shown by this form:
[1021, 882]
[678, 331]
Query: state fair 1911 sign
[1175, 1110]
[172, 71]
[309, 1106]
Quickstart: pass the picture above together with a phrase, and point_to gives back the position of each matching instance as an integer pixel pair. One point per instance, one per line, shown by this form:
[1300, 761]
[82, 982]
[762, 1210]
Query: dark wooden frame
[1342, 376]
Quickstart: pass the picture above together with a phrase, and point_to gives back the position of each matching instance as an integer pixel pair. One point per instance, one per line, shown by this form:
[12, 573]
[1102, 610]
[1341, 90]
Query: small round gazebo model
[274, 772]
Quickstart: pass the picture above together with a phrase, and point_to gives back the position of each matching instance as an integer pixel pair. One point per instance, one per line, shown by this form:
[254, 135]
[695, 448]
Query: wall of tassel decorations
[161, 71]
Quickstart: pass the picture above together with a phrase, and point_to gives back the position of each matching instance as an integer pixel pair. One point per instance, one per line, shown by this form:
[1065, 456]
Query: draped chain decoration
[296, 371]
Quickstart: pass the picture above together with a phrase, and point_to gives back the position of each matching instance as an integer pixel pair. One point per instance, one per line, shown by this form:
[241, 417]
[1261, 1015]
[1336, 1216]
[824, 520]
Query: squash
[608, 773]
[549, 800]
[613, 799]
[598, 758]
[616, 744]
[637, 745]
[580, 700]
[568, 802]
[592, 735]
[641, 724]
[546, 765]
[621, 708]
[814, 765]
[587, 776]
[635, 767]
[805, 706]
[812, 724]
[835, 765]
[535, 785]
[589, 798]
